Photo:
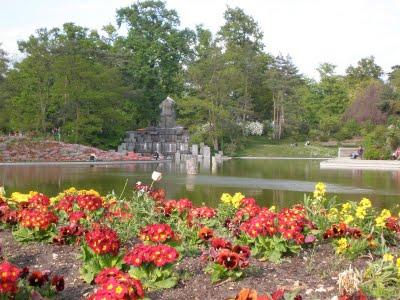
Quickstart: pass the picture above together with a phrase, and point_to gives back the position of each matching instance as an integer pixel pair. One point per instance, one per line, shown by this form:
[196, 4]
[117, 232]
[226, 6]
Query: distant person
[156, 155]
[396, 154]
[360, 152]
[92, 157]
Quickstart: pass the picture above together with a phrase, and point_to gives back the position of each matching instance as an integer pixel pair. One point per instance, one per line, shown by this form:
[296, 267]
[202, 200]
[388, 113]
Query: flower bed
[149, 246]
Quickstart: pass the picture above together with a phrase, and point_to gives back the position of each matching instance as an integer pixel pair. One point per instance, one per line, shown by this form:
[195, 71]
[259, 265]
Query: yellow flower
[320, 190]
[226, 198]
[346, 207]
[361, 212]
[19, 197]
[272, 208]
[365, 202]
[333, 214]
[388, 257]
[236, 199]
[348, 219]
[385, 213]
[380, 221]
[341, 245]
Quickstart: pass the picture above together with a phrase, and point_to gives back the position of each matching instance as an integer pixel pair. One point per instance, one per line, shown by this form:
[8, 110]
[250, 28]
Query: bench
[346, 152]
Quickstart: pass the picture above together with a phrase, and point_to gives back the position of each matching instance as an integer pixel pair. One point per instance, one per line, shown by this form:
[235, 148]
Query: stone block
[195, 150]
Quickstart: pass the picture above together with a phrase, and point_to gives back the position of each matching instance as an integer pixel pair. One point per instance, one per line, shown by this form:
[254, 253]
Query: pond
[278, 182]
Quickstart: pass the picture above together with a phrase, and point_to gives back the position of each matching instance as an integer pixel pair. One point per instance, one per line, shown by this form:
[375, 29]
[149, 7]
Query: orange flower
[206, 234]
[247, 294]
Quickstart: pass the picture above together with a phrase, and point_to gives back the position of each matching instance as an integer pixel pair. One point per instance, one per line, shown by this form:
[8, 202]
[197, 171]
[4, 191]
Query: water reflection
[270, 181]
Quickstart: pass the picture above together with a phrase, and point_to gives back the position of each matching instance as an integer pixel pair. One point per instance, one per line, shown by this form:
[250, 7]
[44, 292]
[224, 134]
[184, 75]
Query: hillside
[21, 149]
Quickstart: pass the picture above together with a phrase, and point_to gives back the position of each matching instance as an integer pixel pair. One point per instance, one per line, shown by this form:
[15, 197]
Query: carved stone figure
[167, 117]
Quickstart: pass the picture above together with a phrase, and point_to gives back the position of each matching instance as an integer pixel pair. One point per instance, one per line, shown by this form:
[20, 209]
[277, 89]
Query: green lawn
[262, 146]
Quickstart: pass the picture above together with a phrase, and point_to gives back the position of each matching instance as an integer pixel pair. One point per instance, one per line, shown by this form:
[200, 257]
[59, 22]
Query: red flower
[66, 204]
[206, 233]
[219, 243]
[117, 285]
[9, 275]
[103, 240]
[38, 278]
[243, 251]
[58, 282]
[159, 255]
[157, 233]
[228, 259]
[38, 200]
[76, 216]
[89, 202]
[34, 218]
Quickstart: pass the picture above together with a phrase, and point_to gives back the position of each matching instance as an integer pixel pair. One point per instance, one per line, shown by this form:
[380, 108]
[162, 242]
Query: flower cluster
[181, 206]
[34, 218]
[290, 223]
[223, 253]
[234, 200]
[89, 202]
[19, 197]
[248, 294]
[202, 212]
[341, 230]
[115, 284]
[157, 233]
[380, 220]
[320, 190]
[13, 279]
[67, 233]
[39, 200]
[103, 240]
[393, 224]
[158, 255]
[9, 276]
[253, 128]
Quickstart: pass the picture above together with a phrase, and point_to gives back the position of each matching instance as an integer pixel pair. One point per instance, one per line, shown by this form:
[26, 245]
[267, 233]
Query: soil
[314, 272]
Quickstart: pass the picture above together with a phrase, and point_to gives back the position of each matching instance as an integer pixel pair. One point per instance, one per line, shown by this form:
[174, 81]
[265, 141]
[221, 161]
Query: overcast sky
[311, 31]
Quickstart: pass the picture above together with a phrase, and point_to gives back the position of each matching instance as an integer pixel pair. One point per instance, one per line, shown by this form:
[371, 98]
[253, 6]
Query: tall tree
[155, 50]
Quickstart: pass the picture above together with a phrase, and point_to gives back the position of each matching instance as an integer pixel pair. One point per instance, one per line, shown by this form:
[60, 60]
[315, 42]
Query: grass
[261, 146]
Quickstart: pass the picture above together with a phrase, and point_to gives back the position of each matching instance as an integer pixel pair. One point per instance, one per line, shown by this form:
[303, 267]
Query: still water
[278, 182]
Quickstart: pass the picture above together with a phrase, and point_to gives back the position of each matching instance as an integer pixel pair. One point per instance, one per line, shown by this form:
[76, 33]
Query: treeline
[94, 86]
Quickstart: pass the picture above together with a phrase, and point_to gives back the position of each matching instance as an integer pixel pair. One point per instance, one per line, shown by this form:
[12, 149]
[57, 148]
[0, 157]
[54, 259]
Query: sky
[340, 32]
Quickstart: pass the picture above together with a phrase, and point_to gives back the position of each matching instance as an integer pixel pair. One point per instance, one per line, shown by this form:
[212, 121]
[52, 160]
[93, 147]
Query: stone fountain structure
[167, 139]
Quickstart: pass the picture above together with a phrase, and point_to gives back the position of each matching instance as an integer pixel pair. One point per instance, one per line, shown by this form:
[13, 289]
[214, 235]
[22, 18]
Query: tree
[3, 91]
[155, 50]
[66, 80]
[364, 108]
[284, 80]
[366, 69]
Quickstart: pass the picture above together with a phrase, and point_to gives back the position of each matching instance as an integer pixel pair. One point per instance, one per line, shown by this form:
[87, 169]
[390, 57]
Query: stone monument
[166, 139]
[167, 116]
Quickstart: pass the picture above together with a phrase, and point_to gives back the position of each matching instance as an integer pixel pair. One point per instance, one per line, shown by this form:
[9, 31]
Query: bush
[375, 144]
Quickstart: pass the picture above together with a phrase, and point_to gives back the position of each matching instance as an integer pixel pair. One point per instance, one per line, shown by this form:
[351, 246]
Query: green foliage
[272, 248]
[93, 263]
[25, 235]
[219, 272]
[380, 280]
[154, 278]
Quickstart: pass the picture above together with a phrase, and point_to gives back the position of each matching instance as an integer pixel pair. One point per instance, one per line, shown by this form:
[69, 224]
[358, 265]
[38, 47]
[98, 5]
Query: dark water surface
[279, 182]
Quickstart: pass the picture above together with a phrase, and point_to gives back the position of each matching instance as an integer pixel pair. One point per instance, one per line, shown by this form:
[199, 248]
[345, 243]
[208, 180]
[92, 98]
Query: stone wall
[165, 141]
